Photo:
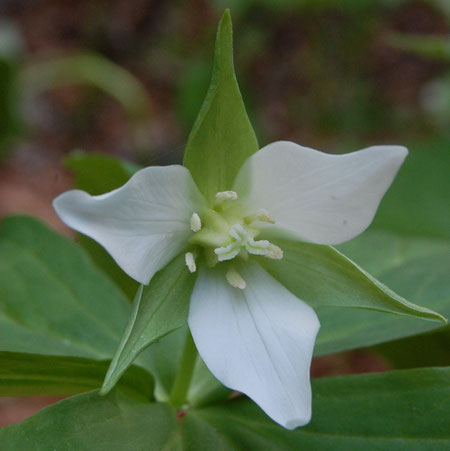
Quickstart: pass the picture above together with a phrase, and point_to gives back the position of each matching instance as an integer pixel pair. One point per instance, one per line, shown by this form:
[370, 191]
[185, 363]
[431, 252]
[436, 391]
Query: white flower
[253, 334]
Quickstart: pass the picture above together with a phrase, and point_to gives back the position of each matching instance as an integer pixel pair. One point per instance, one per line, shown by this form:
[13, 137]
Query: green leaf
[417, 269]
[396, 410]
[53, 300]
[98, 174]
[34, 374]
[322, 276]
[401, 410]
[417, 202]
[93, 422]
[222, 137]
[158, 309]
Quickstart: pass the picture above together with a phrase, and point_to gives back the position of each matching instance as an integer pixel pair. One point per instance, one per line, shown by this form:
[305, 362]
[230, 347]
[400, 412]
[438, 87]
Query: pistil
[226, 195]
[224, 232]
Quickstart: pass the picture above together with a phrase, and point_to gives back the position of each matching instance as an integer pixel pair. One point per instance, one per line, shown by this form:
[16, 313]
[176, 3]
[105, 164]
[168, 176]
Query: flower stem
[180, 387]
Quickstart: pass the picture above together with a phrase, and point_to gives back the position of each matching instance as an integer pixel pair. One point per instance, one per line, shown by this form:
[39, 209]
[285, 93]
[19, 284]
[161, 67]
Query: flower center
[226, 232]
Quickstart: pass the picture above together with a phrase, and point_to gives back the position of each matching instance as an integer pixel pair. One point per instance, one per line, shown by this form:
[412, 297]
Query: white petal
[318, 197]
[144, 224]
[258, 340]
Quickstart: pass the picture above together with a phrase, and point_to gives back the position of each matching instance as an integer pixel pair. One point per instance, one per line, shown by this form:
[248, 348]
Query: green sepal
[322, 276]
[222, 137]
[158, 309]
[24, 374]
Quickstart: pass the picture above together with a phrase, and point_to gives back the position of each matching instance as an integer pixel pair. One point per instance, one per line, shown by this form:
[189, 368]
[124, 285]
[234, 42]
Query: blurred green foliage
[320, 72]
[10, 52]
[436, 93]
[85, 68]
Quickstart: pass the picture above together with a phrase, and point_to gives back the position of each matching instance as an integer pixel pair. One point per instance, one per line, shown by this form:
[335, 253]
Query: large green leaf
[53, 300]
[34, 374]
[404, 410]
[92, 422]
[158, 309]
[417, 269]
[401, 410]
[322, 276]
[222, 137]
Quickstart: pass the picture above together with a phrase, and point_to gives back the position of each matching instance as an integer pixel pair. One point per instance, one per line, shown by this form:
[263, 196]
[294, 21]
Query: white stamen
[226, 195]
[274, 252]
[235, 279]
[190, 261]
[260, 247]
[264, 216]
[196, 223]
[227, 252]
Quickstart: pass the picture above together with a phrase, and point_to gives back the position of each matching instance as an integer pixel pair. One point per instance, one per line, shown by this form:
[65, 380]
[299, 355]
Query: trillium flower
[254, 335]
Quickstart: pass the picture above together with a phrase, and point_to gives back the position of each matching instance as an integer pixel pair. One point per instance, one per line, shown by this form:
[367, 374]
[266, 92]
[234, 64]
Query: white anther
[196, 223]
[264, 216]
[190, 261]
[235, 279]
[226, 195]
[274, 252]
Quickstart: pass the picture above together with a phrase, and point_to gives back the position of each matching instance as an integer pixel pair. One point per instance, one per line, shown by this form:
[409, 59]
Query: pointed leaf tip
[222, 137]
[158, 309]
[114, 373]
[226, 16]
